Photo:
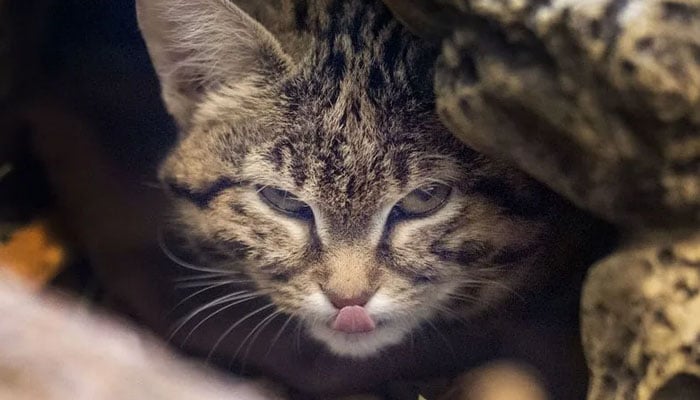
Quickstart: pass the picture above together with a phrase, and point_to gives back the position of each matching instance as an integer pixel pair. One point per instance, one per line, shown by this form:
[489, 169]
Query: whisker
[177, 260]
[496, 283]
[229, 297]
[209, 275]
[298, 336]
[152, 184]
[259, 328]
[463, 296]
[230, 329]
[255, 328]
[451, 314]
[252, 296]
[219, 282]
[261, 188]
[475, 300]
[443, 338]
[181, 302]
[278, 335]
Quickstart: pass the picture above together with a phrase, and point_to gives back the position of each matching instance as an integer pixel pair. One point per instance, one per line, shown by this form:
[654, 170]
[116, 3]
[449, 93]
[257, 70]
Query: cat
[333, 233]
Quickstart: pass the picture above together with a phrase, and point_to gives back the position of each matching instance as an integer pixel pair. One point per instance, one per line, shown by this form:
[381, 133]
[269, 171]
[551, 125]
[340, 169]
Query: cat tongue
[353, 319]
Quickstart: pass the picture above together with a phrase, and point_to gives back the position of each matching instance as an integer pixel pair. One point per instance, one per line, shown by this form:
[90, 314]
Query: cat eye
[285, 202]
[424, 200]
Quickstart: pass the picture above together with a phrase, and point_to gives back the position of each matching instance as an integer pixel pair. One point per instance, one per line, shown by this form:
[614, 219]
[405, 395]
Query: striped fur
[344, 119]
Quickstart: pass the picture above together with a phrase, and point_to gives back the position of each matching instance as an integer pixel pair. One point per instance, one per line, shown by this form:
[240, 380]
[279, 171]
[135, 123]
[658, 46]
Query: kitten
[318, 198]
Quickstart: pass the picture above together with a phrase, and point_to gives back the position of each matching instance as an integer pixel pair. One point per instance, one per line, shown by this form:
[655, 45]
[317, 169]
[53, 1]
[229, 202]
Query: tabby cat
[318, 201]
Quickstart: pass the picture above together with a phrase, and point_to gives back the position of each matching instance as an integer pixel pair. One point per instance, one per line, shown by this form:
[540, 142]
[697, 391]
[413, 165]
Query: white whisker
[213, 303]
[278, 335]
[222, 274]
[443, 338]
[177, 260]
[212, 286]
[218, 282]
[257, 330]
[250, 297]
[230, 329]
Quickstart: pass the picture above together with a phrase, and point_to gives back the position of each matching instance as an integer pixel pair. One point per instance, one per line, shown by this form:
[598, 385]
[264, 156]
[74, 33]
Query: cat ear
[196, 45]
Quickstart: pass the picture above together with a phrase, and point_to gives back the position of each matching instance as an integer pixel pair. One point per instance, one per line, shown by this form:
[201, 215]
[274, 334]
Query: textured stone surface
[599, 99]
[641, 319]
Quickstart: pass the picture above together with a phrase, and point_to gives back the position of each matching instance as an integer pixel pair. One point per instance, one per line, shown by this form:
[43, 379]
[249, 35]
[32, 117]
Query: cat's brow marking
[202, 198]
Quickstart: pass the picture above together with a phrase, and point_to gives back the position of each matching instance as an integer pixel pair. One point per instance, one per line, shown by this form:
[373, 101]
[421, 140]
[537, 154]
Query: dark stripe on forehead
[392, 48]
[376, 78]
[356, 30]
[301, 15]
[356, 109]
[381, 20]
[277, 153]
[335, 14]
[335, 65]
[333, 162]
[297, 169]
[401, 168]
[201, 198]
[350, 187]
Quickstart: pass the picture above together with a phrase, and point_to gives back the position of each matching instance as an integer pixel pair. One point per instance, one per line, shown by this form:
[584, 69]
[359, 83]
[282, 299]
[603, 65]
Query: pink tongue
[353, 319]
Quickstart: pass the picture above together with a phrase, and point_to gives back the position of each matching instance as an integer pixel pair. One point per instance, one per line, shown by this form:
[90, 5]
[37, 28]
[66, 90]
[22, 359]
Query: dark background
[79, 107]
[88, 57]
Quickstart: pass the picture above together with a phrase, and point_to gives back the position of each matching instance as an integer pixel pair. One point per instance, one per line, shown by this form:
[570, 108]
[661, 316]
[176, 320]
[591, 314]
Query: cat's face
[331, 183]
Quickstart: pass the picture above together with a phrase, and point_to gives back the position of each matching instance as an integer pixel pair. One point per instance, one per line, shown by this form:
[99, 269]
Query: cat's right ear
[198, 45]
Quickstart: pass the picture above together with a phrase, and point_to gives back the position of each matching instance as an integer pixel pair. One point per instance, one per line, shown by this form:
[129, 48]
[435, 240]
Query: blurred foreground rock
[642, 330]
[55, 349]
[601, 101]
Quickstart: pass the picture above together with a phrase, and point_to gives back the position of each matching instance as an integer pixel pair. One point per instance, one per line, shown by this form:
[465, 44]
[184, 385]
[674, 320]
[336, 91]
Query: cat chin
[358, 345]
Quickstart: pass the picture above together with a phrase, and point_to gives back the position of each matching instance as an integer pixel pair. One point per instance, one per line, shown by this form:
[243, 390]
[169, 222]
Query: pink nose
[340, 301]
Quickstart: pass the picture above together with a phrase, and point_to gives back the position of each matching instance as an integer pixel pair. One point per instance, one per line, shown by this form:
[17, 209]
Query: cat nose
[340, 301]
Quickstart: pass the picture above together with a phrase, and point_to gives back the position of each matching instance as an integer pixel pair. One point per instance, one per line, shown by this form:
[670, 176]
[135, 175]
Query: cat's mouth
[353, 320]
[354, 332]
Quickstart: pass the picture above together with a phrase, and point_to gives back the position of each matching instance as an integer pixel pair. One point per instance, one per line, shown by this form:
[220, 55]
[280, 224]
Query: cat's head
[327, 178]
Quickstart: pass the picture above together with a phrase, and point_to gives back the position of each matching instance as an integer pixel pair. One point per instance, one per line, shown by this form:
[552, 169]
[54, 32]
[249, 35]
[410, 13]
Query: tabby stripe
[298, 170]
[301, 15]
[202, 198]
[381, 21]
[356, 31]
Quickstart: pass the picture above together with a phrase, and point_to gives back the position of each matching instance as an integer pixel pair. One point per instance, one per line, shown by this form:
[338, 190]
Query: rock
[598, 99]
[98, 357]
[641, 324]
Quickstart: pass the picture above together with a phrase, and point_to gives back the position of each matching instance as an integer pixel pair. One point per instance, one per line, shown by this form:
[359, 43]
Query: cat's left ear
[197, 45]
